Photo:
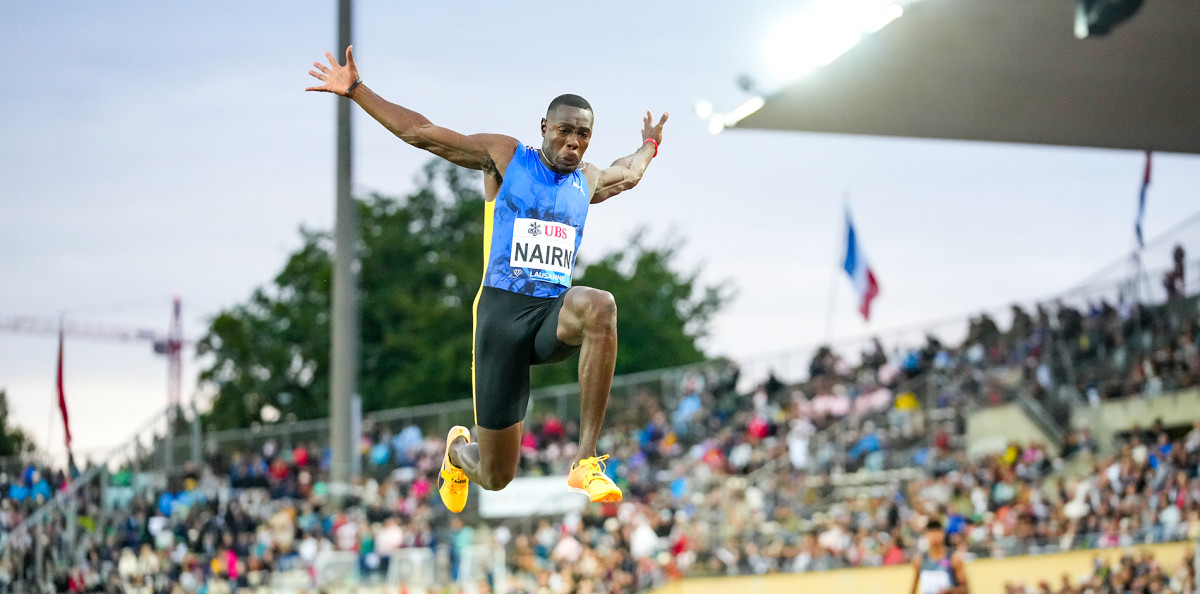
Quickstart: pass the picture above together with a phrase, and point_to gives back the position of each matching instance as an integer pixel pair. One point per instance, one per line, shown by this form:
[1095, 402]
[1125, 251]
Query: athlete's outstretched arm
[415, 129]
[626, 172]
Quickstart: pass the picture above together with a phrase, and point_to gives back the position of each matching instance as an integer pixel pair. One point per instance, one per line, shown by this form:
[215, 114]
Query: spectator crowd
[717, 480]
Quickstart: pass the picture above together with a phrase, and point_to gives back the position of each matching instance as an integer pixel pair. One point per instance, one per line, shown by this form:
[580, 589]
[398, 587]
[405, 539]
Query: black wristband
[356, 83]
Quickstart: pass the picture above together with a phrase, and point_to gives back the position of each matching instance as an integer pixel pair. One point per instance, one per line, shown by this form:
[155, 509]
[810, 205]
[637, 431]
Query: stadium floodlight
[715, 125]
[808, 41]
[719, 121]
[1095, 18]
[744, 110]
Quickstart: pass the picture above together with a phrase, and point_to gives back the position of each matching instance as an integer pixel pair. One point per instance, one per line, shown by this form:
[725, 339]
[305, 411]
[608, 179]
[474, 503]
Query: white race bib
[933, 581]
[546, 249]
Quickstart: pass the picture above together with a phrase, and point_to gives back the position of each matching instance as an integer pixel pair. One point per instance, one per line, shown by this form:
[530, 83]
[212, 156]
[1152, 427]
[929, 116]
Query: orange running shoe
[454, 482]
[587, 478]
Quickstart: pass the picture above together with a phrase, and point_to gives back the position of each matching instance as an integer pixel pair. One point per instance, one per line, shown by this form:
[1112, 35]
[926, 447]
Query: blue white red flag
[1137, 227]
[861, 275]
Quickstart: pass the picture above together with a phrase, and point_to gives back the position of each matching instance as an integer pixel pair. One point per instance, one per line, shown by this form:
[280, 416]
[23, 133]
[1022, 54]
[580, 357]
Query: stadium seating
[840, 470]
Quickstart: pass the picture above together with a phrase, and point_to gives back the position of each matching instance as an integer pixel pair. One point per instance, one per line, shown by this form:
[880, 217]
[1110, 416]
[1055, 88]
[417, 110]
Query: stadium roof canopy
[1007, 70]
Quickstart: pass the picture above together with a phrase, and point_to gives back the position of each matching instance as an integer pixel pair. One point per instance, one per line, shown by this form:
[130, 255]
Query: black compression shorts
[512, 332]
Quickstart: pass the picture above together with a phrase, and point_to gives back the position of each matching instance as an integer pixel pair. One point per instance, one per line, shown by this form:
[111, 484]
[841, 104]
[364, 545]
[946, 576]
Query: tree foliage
[13, 440]
[421, 260]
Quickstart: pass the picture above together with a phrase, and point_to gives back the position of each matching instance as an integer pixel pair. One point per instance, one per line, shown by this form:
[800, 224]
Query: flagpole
[62, 398]
[830, 309]
[1143, 276]
[54, 401]
[1138, 272]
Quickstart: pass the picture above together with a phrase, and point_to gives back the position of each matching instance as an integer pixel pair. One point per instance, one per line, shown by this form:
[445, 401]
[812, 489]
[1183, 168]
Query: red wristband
[655, 146]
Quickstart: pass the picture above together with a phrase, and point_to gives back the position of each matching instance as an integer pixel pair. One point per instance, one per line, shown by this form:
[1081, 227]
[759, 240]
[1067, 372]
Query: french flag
[1141, 211]
[860, 272]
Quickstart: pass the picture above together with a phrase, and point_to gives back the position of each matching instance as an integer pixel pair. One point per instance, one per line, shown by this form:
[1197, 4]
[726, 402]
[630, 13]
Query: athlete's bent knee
[601, 310]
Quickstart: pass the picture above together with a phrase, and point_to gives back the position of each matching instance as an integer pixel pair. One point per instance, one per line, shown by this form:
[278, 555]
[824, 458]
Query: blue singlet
[532, 230]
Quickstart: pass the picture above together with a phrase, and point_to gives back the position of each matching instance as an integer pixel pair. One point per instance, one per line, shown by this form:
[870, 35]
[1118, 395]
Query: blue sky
[154, 147]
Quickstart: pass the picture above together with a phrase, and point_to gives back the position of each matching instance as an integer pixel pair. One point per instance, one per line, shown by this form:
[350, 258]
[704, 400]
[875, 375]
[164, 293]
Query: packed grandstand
[840, 470]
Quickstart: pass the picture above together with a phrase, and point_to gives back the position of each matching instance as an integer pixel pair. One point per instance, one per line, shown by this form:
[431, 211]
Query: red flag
[62, 397]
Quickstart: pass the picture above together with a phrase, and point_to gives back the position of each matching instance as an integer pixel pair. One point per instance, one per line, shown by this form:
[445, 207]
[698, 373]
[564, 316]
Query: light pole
[344, 321]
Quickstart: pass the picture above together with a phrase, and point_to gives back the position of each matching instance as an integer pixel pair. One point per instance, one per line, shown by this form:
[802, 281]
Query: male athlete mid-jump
[526, 312]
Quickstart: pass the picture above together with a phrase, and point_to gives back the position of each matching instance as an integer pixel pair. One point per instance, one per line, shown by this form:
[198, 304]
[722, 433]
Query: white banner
[531, 496]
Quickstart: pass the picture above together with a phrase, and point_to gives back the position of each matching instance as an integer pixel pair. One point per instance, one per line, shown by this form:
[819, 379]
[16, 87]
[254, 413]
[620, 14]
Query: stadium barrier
[415, 568]
[433, 419]
[482, 564]
[410, 570]
[335, 568]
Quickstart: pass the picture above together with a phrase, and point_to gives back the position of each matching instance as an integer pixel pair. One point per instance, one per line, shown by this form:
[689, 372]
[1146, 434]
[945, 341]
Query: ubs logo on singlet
[545, 248]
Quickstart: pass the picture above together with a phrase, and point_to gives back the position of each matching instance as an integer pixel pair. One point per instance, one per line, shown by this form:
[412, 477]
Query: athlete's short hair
[570, 100]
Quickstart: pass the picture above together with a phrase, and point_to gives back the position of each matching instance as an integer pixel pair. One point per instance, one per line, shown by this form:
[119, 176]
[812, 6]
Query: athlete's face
[566, 132]
[935, 537]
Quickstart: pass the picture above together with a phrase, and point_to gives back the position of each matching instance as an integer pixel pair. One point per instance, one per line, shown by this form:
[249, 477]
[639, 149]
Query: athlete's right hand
[337, 78]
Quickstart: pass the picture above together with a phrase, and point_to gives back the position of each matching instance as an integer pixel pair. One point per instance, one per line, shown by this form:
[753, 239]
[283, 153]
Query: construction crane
[171, 344]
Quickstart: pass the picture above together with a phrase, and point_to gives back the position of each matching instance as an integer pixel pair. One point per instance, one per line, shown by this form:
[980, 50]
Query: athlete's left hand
[649, 130]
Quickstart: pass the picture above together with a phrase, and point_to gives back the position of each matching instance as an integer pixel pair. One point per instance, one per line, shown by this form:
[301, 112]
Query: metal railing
[1042, 418]
[563, 401]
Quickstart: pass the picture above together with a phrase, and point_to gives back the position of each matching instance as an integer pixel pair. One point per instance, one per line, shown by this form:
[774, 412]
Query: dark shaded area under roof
[1010, 71]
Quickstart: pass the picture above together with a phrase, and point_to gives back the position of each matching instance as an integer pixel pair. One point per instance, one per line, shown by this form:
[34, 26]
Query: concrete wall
[991, 429]
[1178, 408]
[984, 576]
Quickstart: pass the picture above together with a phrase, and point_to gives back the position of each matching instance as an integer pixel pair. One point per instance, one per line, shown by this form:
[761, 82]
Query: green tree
[661, 313]
[421, 260]
[13, 440]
